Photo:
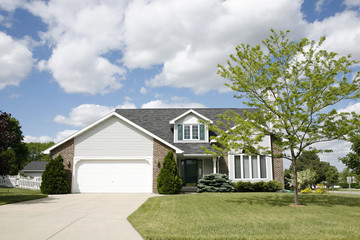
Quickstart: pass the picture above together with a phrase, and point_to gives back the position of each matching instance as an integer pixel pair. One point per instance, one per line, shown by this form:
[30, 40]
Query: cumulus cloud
[41, 139]
[165, 104]
[82, 33]
[59, 137]
[352, 107]
[15, 61]
[191, 37]
[342, 33]
[84, 114]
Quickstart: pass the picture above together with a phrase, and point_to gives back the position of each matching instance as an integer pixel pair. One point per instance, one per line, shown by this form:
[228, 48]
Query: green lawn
[248, 216]
[13, 195]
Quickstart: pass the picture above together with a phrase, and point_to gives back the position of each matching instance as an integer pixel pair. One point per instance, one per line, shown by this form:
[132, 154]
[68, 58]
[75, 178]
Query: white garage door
[123, 176]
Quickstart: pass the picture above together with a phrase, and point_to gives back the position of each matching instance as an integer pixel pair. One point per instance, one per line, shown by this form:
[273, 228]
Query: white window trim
[250, 168]
[206, 133]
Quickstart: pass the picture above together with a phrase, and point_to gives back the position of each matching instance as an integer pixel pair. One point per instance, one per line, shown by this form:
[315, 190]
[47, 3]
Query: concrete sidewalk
[72, 216]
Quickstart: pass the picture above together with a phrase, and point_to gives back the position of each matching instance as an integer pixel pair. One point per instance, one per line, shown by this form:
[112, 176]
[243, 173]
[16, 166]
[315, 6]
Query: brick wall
[278, 172]
[66, 150]
[160, 151]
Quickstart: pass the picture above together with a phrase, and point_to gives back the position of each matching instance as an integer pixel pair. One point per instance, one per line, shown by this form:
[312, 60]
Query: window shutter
[180, 132]
[202, 132]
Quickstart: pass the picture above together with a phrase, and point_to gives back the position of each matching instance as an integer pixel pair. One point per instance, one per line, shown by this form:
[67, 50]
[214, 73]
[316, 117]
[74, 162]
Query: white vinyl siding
[112, 138]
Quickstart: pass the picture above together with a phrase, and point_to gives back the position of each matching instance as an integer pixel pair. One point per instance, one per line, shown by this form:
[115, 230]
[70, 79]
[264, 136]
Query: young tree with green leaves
[169, 181]
[293, 86]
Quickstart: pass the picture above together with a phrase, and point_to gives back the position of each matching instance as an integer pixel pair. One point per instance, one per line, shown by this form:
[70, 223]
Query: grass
[248, 216]
[13, 195]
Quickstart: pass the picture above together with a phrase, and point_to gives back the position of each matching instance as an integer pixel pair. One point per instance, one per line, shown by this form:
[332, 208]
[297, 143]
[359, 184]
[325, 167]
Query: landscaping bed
[13, 195]
[248, 216]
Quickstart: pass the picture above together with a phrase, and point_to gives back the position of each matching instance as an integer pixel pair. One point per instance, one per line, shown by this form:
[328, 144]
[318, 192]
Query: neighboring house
[123, 152]
[35, 168]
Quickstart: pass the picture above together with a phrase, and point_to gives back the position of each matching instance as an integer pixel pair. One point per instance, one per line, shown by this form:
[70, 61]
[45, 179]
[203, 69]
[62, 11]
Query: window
[191, 132]
[249, 166]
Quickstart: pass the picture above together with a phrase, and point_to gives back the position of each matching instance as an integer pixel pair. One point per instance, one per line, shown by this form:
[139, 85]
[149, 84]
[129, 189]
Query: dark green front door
[191, 172]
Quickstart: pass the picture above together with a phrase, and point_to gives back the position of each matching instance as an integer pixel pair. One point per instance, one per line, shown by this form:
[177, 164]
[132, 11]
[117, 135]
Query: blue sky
[65, 64]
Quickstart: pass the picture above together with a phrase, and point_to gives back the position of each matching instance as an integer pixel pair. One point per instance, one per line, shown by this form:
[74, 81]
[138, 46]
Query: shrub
[169, 181]
[306, 190]
[271, 186]
[54, 178]
[215, 183]
[346, 185]
[243, 187]
[321, 189]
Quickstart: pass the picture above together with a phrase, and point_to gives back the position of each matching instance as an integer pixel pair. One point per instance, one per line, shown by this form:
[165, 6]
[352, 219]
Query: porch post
[214, 164]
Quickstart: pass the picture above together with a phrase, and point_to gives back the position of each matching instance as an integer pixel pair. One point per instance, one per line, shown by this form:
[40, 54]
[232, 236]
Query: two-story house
[123, 152]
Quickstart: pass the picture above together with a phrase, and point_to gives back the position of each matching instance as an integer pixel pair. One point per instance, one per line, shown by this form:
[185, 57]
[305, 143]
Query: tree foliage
[169, 181]
[352, 160]
[36, 149]
[13, 152]
[293, 87]
[54, 178]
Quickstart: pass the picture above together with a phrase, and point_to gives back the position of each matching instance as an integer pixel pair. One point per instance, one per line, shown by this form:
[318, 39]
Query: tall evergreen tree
[169, 181]
[54, 178]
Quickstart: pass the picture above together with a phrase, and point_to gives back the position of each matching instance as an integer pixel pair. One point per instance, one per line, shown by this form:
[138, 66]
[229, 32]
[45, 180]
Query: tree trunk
[296, 197]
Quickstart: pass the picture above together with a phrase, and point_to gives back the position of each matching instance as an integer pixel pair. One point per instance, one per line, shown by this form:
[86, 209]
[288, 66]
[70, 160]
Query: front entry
[191, 171]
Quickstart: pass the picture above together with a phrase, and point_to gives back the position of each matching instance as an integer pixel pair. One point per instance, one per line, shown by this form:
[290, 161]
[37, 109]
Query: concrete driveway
[72, 216]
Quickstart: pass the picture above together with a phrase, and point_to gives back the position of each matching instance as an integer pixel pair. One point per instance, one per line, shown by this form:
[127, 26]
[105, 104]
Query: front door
[191, 172]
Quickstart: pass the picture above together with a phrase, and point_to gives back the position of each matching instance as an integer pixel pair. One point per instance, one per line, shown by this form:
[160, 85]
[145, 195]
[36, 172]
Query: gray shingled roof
[36, 166]
[157, 121]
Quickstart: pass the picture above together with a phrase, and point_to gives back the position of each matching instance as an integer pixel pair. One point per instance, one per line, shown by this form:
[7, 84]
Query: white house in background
[35, 168]
[124, 151]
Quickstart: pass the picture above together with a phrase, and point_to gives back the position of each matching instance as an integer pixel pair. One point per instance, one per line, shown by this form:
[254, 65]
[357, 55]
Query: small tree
[54, 178]
[332, 176]
[169, 181]
[293, 86]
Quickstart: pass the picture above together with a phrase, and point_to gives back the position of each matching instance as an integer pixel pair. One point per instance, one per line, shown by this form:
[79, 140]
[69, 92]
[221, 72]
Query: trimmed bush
[244, 187]
[346, 185]
[321, 189]
[54, 178]
[306, 190]
[169, 181]
[215, 183]
[271, 186]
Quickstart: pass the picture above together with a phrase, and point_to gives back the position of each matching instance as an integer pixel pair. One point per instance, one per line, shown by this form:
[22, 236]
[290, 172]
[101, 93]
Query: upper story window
[191, 132]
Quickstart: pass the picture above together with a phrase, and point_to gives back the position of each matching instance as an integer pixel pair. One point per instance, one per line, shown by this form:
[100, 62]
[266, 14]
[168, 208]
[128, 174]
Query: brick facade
[159, 152]
[66, 150]
[278, 171]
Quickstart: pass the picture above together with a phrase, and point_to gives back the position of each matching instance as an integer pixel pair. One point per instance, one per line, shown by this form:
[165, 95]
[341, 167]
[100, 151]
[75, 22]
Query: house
[123, 152]
[34, 168]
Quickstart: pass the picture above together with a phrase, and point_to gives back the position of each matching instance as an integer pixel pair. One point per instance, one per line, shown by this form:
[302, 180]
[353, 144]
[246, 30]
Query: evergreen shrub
[215, 183]
[54, 178]
[169, 181]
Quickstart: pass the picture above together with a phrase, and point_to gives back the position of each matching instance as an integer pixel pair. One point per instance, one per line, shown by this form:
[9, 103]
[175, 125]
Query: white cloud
[191, 37]
[42, 139]
[352, 3]
[319, 4]
[352, 107]
[84, 114]
[10, 5]
[63, 134]
[15, 61]
[143, 90]
[82, 33]
[342, 33]
[165, 104]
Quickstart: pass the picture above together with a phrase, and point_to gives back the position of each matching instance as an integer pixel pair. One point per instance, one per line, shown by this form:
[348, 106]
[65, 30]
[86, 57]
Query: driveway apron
[72, 216]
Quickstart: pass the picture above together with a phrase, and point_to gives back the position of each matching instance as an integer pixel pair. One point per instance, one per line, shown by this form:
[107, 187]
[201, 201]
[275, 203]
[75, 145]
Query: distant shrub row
[271, 186]
[346, 185]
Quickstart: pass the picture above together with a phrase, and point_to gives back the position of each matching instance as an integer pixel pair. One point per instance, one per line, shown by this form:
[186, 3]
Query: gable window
[191, 132]
[250, 166]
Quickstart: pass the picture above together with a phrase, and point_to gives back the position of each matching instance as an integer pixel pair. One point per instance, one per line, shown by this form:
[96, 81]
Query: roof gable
[189, 112]
[47, 151]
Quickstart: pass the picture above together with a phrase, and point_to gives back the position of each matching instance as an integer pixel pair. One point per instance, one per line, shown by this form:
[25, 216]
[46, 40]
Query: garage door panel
[124, 176]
